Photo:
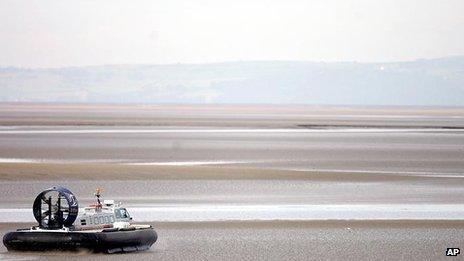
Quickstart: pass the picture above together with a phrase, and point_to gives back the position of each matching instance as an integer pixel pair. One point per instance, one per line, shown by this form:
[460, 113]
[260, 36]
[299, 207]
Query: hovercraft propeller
[55, 207]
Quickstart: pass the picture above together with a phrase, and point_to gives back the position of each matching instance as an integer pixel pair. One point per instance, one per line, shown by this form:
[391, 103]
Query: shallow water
[253, 212]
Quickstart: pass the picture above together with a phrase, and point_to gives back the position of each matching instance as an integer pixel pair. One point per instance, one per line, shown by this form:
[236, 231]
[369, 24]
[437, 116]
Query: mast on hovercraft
[103, 215]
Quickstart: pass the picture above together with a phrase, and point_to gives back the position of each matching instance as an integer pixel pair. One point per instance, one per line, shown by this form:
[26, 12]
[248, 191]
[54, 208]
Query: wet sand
[157, 155]
[276, 240]
[98, 172]
[253, 116]
[151, 185]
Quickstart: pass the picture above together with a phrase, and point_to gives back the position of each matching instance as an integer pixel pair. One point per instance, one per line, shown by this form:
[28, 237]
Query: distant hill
[422, 82]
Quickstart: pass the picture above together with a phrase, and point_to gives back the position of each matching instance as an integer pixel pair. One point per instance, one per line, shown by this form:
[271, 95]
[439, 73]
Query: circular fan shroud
[71, 207]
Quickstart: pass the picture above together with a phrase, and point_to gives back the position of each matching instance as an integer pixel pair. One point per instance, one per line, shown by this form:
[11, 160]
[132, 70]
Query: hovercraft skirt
[110, 241]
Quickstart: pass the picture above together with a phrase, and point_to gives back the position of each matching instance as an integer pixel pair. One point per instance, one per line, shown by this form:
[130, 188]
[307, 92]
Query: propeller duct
[55, 207]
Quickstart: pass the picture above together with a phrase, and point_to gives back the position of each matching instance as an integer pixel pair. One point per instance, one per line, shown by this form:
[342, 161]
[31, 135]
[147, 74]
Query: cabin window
[83, 222]
[95, 220]
[124, 213]
[111, 219]
[121, 213]
[101, 220]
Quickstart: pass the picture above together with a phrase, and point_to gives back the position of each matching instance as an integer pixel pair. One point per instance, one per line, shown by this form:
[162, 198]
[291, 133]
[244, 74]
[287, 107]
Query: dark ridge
[344, 126]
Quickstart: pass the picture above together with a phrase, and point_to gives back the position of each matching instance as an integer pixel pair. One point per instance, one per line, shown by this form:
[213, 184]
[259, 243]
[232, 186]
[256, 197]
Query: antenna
[98, 194]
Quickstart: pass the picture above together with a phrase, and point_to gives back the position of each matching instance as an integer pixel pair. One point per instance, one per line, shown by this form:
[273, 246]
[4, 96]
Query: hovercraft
[102, 227]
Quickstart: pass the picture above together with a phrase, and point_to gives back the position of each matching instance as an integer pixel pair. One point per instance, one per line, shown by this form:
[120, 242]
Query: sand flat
[266, 116]
[308, 155]
[298, 240]
[81, 171]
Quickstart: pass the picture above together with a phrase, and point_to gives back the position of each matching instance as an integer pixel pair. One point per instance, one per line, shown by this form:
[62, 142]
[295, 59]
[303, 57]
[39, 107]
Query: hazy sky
[72, 33]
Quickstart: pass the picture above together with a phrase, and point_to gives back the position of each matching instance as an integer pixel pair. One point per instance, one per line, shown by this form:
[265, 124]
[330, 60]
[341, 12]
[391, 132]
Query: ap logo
[452, 251]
